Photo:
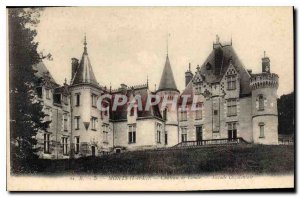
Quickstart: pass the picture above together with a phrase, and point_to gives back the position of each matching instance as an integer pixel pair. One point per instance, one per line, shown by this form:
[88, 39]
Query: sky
[127, 44]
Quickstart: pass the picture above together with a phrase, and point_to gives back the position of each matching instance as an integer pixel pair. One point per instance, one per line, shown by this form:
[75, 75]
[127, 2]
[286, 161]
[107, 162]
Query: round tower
[264, 105]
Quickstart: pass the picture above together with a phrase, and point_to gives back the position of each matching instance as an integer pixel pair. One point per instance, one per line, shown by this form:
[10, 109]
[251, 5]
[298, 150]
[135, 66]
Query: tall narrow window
[166, 138]
[94, 120]
[65, 122]
[94, 100]
[39, 92]
[231, 83]
[132, 111]
[47, 143]
[261, 130]
[158, 132]
[132, 134]
[77, 99]
[65, 145]
[183, 134]
[76, 144]
[261, 102]
[231, 107]
[198, 111]
[76, 122]
[47, 94]
[65, 99]
[165, 113]
[183, 115]
[232, 132]
[105, 129]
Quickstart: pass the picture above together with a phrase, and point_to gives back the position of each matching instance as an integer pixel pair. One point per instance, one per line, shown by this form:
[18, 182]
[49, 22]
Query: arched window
[260, 102]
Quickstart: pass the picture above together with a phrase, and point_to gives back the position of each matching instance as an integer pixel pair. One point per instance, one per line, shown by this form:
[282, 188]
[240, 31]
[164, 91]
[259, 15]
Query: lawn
[258, 159]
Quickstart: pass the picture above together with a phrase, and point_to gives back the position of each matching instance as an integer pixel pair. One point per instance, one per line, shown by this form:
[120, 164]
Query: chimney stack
[188, 75]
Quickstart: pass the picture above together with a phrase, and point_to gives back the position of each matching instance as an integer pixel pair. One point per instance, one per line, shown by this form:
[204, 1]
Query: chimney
[75, 65]
[123, 88]
[188, 75]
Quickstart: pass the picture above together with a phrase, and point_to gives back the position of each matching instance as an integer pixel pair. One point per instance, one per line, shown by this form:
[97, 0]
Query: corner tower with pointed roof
[168, 92]
[87, 120]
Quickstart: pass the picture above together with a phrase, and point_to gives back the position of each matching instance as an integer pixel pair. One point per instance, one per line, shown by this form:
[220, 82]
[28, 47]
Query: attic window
[208, 66]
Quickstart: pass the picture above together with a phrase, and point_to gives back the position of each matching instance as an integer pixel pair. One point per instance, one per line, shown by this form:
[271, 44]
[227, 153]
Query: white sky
[127, 44]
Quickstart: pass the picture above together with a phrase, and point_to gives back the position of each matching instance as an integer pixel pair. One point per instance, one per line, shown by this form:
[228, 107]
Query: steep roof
[84, 72]
[121, 112]
[217, 63]
[167, 81]
[41, 70]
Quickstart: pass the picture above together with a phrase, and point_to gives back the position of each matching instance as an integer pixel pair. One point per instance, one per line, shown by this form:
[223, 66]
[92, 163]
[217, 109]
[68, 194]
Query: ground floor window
[65, 145]
[261, 130]
[131, 134]
[77, 145]
[158, 132]
[232, 132]
[47, 143]
[105, 133]
[166, 139]
[183, 134]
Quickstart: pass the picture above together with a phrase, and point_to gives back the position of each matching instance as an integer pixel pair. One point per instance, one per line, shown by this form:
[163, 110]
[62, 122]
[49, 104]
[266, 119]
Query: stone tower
[168, 90]
[264, 105]
[85, 116]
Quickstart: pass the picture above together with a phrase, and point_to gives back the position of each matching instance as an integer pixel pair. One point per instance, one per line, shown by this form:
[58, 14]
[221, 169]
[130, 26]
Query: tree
[286, 114]
[26, 115]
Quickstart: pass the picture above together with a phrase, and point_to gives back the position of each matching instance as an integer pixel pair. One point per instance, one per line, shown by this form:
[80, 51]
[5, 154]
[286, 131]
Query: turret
[264, 105]
[188, 75]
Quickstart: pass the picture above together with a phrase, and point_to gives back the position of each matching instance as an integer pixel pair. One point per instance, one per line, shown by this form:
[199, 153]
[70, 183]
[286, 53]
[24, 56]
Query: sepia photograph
[150, 98]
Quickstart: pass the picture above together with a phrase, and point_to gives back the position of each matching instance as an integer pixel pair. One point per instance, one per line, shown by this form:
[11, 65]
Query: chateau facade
[230, 101]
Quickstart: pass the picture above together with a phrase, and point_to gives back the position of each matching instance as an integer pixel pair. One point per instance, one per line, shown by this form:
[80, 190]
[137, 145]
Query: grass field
[258, 159]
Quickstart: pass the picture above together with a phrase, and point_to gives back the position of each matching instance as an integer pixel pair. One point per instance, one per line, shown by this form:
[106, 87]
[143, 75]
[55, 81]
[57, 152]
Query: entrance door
[93, 151]
[199, 135]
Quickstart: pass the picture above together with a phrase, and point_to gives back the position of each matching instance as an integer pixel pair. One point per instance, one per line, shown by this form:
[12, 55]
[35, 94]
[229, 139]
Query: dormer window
[47, 94]
[231, 82]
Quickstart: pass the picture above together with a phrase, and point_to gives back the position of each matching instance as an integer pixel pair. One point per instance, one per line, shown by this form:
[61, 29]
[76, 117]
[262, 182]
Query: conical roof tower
[84, 72]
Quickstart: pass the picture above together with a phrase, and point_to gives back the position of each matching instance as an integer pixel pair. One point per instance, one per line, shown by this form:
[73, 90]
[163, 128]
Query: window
[48, 114]
[94, 100]
[199, 111]
[77, 122]
[261, 102]
[261, 130]
[183, 115]
[232, 132]
[65, 122]
[47, 143]
[231, 83]
[47, 94]
[39, 92]
[65, 99]
[65, 145]
[77, 145]
[132, 111]
[77, 99]
[165, 113]
[158, 132]
[231, 107]
[166, 138]
[183, 134]
[132, 134]
[94, 120]
[105, 129]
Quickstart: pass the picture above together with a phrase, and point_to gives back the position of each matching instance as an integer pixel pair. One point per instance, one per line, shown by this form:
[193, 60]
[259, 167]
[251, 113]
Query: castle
[231, 103]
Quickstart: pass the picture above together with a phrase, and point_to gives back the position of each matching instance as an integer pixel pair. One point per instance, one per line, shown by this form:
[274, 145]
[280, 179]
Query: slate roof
[218, 61]
[41, 70]
[84, 72]
[121, 112]
[167, 81]
[215, 66]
